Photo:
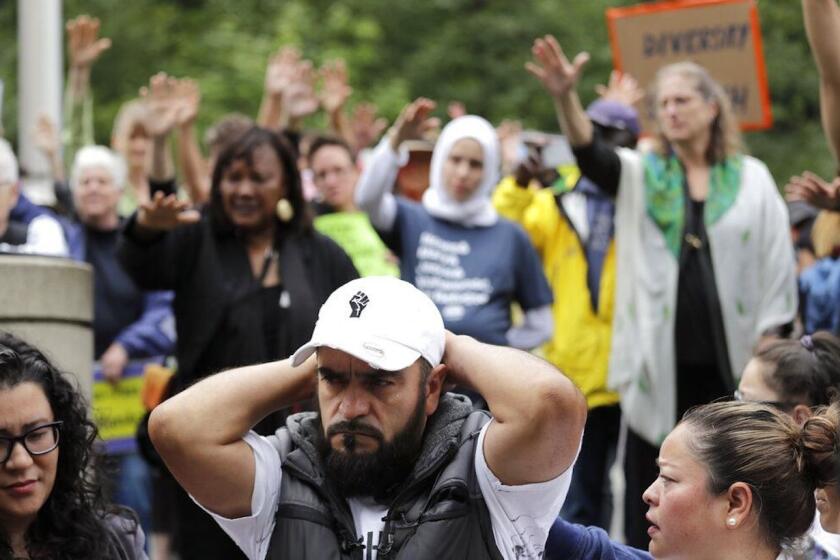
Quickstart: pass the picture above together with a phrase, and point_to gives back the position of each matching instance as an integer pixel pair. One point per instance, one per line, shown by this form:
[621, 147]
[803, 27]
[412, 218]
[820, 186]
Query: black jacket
[218, 316]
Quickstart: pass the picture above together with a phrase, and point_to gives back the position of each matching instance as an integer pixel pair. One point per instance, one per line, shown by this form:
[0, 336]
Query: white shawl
[753, 262]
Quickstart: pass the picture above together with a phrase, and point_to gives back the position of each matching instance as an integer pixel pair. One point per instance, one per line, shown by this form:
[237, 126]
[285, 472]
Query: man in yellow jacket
[570, 222]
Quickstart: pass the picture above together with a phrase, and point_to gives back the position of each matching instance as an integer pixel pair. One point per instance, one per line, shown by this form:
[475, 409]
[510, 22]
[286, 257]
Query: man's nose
[354, 402]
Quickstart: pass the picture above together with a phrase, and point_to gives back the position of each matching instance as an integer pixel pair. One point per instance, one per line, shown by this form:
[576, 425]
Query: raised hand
[45, 136]
[113, 362]
[299, 97]
[83, 44]
[365, 126]
[622, 88]
[509, 132]
[414, 122]
[280, 71]
[164, 213]
[553, 69]
[812, 189]
[161, 97]
[188, 100]
[336, 90]
[456, 109]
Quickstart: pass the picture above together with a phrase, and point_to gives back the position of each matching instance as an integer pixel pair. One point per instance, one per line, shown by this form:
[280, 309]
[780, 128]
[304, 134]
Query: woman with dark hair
[796, 377]
[822, 435]
[704, 263]
[51, 503]
[249, 276]
[736, 481]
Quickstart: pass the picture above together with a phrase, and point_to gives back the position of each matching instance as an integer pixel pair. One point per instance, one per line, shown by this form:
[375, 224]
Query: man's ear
[434, 387]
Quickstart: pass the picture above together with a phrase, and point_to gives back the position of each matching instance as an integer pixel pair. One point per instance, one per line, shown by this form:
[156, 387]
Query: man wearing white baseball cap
[390, 466]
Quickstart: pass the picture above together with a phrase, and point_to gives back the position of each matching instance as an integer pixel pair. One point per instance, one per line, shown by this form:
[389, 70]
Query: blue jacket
[153, 334]
[819, 288]
[568, 541]
[25, 210]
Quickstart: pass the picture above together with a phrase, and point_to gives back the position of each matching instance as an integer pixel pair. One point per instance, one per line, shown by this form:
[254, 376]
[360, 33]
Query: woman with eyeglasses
[795, 377]
[51, 505]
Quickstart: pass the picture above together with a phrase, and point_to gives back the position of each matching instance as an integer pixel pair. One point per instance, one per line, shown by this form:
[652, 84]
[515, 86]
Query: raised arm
[192, 163]
[161, 96]
[538, 413]
[822, 25]
[46, 139]
[84, 47]
[334, 94]
[365, 126]
[147, 250]
[560, 77]
[199, 431]
[278, 75]
[373, 192]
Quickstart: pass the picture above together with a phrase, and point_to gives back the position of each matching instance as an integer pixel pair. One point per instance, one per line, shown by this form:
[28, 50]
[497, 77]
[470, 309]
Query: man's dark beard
[379, 473]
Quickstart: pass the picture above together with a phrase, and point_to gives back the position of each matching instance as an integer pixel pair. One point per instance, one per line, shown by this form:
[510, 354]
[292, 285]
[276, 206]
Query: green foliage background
[467, 50]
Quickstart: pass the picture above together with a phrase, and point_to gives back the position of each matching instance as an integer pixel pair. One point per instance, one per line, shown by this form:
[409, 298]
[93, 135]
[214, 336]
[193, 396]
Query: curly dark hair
[71, 523]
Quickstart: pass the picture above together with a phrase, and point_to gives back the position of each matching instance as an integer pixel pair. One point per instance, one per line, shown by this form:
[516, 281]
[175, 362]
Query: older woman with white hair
[24, 228]
[128, 323]
[453, 246]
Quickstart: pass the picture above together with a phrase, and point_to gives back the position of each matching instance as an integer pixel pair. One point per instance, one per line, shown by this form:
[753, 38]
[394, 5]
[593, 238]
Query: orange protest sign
[724, 36]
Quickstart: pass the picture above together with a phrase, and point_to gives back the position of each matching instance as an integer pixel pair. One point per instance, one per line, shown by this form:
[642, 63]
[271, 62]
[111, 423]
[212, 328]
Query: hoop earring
[285, 211]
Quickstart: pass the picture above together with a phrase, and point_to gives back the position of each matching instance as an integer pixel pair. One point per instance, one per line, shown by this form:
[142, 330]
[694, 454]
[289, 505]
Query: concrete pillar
[49, 303]
[40, 37]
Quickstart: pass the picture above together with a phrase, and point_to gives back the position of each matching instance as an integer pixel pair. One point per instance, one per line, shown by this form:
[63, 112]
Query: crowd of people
[368, 369]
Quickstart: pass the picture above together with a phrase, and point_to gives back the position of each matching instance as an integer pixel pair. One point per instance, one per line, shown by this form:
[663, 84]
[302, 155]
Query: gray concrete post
[49, 303]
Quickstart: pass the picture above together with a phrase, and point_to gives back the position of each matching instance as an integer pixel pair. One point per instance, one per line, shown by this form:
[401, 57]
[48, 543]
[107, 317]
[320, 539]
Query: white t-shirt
[521, 516]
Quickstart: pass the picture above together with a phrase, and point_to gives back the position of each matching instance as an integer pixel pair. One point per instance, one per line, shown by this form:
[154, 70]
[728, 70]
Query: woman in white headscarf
[453, 245]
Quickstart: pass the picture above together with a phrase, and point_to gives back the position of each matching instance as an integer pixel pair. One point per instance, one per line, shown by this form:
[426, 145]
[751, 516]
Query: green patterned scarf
[664, 194]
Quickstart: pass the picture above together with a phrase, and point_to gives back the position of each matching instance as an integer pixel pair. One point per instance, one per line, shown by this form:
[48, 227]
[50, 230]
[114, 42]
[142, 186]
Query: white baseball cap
[381, 320]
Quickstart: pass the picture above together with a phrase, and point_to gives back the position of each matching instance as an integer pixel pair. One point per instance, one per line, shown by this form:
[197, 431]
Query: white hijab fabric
[478, 210]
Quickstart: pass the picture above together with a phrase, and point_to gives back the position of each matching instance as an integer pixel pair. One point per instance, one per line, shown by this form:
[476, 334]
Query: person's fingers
[537, 71]
[189, 217]
[555, 50]
[601, 90]
[814, 178]
[94, 27]
[580, 61]
[102, 45]
[430, 124]
[541, 53]
[379, 125]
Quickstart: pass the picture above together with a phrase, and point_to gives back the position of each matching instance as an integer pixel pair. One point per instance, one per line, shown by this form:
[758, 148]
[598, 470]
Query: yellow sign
[118, 408]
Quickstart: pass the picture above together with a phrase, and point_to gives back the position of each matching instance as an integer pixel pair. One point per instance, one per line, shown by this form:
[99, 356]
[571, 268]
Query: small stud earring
[731, 521]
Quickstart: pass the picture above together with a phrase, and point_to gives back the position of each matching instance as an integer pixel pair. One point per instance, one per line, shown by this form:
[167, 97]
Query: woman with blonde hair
[704, 261]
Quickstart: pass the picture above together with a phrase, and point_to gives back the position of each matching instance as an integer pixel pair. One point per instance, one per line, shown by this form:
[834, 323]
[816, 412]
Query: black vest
[438, 513]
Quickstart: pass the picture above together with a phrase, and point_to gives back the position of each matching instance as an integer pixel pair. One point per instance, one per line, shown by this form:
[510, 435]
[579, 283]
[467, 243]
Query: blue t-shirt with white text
[472, 274]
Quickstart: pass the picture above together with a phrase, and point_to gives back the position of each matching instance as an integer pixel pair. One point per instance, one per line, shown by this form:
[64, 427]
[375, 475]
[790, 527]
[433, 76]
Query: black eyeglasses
[781, 405]
[37, 441]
